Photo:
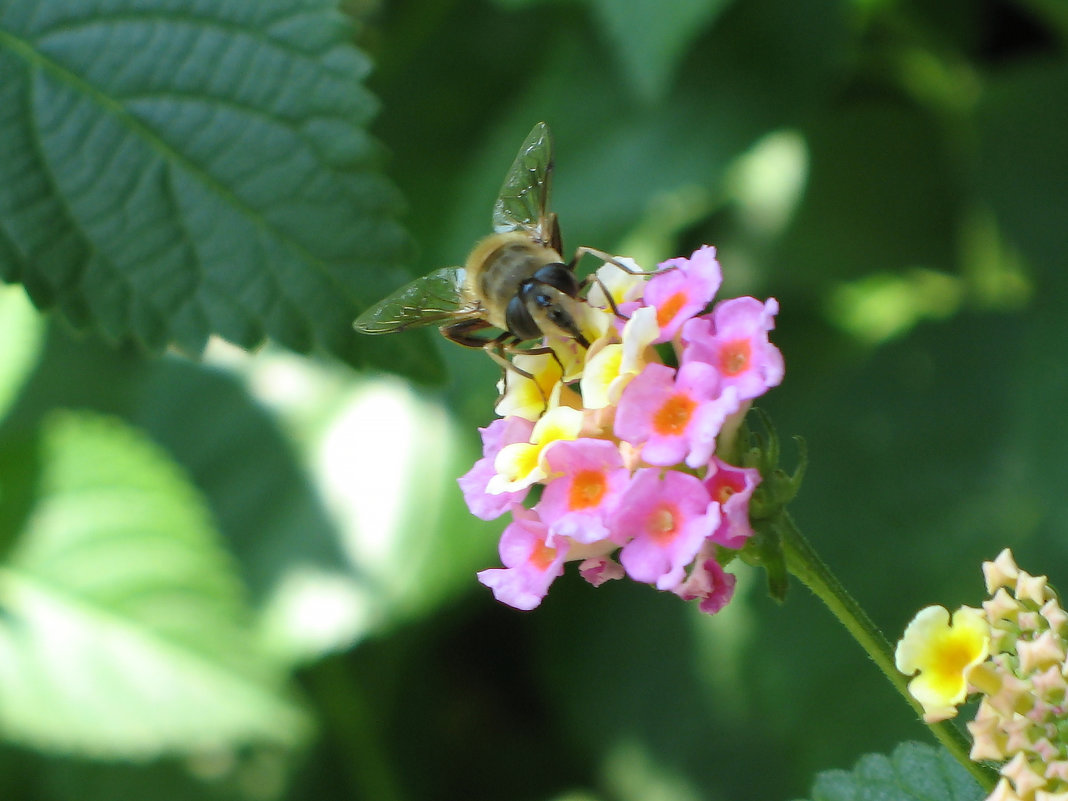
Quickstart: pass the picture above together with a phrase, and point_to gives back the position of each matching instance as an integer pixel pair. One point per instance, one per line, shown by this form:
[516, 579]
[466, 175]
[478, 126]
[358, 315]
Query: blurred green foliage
[251, 578]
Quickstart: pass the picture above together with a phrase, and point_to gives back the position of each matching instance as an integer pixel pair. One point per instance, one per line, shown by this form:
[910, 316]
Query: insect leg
[502, 345]
[539, 351]
[495, 349]
[463, 333]
[608, 258]
[594, 278]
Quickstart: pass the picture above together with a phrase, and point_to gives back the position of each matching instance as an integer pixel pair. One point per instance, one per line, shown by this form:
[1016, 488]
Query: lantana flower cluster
[1014, 654]
[611, 456]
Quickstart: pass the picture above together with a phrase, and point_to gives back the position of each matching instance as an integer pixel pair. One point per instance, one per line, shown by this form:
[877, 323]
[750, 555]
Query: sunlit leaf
[20, 332]
[174, 170]
[123, 630]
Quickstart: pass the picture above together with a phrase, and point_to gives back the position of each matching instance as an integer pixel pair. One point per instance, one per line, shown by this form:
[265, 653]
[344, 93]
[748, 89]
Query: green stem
[803, 562]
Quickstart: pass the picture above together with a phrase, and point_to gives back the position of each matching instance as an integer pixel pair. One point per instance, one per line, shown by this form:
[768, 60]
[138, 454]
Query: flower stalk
[628, 450]
[803, 563]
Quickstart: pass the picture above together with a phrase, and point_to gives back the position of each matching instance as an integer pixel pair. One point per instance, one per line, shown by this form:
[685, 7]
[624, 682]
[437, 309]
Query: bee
[515, 280]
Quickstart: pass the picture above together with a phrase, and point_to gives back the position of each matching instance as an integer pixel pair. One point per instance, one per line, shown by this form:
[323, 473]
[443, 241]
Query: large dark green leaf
[175, 169]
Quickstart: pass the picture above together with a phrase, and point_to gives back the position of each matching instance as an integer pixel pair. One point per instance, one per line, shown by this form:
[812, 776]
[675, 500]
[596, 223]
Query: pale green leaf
[175, 169]
[123, 630]
[21, 332]
[914, 772]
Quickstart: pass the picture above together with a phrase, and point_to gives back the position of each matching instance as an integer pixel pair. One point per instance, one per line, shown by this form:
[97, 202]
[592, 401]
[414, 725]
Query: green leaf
[914, 772]
[174, 170]
[21, 331]
[123, 630]
[651, 36]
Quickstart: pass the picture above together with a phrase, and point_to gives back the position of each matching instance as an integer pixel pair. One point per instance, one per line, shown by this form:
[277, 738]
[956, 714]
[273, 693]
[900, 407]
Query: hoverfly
[514, 280]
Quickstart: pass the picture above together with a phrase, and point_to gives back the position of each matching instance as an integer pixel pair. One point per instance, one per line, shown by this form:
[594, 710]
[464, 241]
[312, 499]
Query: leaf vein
[165, 150]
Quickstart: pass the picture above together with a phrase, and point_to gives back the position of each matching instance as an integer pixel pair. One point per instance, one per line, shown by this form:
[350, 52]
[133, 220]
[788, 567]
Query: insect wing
[523, 202]
[434, 298]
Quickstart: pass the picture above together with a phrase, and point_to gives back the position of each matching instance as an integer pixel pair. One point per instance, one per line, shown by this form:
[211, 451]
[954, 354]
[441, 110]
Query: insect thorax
[498, 265]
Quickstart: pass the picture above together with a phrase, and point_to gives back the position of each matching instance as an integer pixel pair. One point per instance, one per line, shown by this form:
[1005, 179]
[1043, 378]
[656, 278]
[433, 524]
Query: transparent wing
[433, 299]
[523, 202]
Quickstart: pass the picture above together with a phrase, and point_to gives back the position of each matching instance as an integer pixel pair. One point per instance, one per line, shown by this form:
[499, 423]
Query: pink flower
[576, 503]
[734, 340]
[731, 487]
[530, 564]
[678, 294]
[621, 447]
[708, 582]
[599, 569]
[501, 432]
[664, 521]
[674, 419]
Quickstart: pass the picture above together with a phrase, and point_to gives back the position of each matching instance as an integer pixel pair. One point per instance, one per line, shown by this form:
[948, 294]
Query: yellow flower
[941, 652]
[523, 463]
[621, 285]
[610, 368]
[595, 324]
[528, 397]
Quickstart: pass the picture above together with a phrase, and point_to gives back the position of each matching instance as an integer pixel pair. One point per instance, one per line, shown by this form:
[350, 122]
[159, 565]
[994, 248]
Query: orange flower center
[587, 489]
[666, 313]
[542, 556]
[672, 418]
[734, 357]
[663, 523]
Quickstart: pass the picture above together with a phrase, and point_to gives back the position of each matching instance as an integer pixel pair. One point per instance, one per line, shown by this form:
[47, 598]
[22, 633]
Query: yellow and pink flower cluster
[1013, 653]
[609, 455]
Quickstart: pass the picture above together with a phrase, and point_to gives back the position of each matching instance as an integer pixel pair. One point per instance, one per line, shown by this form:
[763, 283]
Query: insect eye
[559, 276]
[519, 320]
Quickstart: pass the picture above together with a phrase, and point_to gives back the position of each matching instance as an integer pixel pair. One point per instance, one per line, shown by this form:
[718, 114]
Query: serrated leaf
[914, 772]
[175, 169]
[123, 630]
[651, 36]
